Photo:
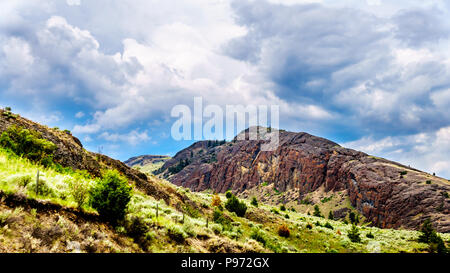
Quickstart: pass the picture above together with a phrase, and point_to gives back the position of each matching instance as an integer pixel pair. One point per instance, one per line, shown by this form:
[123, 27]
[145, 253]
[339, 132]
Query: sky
[370, 75]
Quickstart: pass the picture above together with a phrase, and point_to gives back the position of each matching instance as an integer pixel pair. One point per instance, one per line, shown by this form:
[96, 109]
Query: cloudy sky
[371, 75]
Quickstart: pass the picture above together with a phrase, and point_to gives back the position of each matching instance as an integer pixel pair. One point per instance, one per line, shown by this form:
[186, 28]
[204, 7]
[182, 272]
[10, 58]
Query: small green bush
[254, 202]
[259, 236]
[370, 235]
[176, 233]
[354, 218]
[236, 206]
[188, 228]
[286, 216]
[79, 189]
[429, 235]
[28, 144]
[110, 196]
[353, 234]
[219, 218]
[328, 225]
[428, 182]
[43, 188]
[309, 226]
[228, 194]
[21, 180]
[282, 208]
[330, 215]
[317, 211]
[136, 228]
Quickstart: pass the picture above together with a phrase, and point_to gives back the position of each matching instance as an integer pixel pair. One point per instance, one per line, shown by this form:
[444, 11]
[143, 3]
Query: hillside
[147, 163]
[160, 216]
[306, 170]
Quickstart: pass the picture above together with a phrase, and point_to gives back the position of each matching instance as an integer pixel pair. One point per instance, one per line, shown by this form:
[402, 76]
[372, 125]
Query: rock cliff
[388, 194]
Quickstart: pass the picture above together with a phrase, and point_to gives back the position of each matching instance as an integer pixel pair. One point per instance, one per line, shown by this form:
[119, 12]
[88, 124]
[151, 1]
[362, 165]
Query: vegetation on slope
[70, 211]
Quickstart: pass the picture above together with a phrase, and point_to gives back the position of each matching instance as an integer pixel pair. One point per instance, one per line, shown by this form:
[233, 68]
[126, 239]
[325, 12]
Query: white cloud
[73, 2]
[425, 151]
[17, 57]
[79, 115]
[133, 138]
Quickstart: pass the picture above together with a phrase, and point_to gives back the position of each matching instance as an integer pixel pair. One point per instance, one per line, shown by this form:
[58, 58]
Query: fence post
[37, 183]
[207, 220]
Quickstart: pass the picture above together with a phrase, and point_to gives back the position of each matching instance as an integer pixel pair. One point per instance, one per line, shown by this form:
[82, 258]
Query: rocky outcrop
[388, 194]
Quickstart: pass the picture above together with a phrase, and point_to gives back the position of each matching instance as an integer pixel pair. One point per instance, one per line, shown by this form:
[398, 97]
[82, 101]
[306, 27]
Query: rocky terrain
[386, 193]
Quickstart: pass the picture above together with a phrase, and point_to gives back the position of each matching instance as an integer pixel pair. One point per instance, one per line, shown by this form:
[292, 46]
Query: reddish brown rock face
[304, 163]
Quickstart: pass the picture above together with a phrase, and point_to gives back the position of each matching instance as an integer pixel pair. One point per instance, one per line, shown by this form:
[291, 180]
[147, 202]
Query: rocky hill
[386, 193]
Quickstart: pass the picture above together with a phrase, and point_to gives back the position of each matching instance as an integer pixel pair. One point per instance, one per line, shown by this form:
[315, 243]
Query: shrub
[21, 180]
[43, 188]
[282, 208]
[28, 144]
[429, 235]
[309, 226]
[228, 194]
[445, 194]
[428, 182]
[176, 233]
[403, 173]
[110, 196]
[328, 225]
[216, 201]
[188, 228]
[283, 231]
[330, 215]
[258, 235]
[286, 216]
[254, 202]
[370, 235]
[191, 211]
[354, 219]
[317, 211]
[79, 189]
[217, 229]
[236, 206]
[136, 228]
[219, 218]
[353, 234]
[274, 210]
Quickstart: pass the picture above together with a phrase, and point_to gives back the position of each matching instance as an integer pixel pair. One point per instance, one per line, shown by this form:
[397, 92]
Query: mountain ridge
[386, 193]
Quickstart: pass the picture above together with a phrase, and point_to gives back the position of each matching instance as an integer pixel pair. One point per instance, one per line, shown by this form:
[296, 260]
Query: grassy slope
[27, 229]
[150, 167]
